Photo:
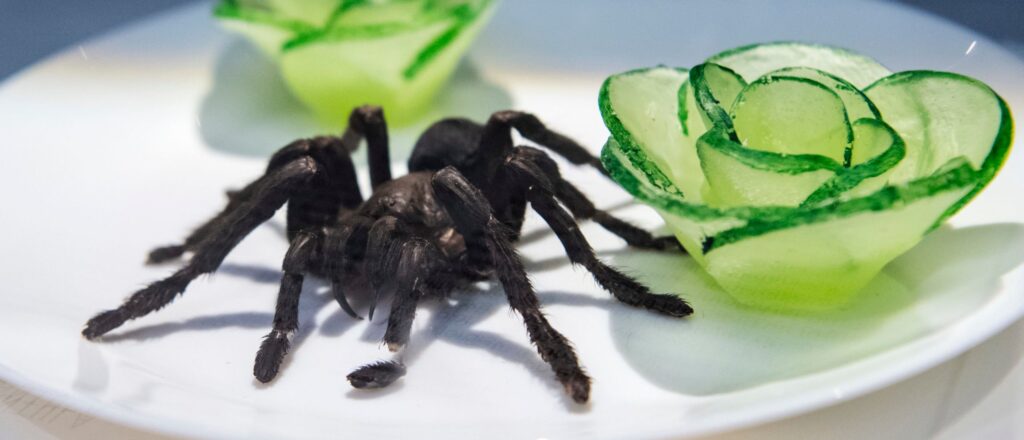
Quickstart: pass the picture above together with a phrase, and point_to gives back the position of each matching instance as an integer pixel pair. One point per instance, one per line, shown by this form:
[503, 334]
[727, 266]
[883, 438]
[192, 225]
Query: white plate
[126, 142]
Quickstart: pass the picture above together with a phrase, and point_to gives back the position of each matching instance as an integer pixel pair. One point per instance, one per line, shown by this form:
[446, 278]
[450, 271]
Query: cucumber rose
[794, 173]
[335, 55]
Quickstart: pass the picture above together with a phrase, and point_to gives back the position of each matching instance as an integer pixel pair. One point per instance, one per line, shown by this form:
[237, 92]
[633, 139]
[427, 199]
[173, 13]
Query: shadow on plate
[449, 320]
[728, 347]
[92, 369]
[931, 405]
[250, 112]
[452, 321]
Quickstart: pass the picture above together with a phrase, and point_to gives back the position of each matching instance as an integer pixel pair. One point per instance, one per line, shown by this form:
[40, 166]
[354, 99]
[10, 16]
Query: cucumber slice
[873, 138]
[690, 113]
[792, 116]
[940, 116]
[877, 149]
[857, 104]
[738, 176]
[715, 88]
[822, 264]
[646, 122]
[691, 222]
[755, 60]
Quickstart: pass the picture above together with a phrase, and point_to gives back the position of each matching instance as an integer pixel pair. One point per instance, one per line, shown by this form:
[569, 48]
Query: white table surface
[978, 395]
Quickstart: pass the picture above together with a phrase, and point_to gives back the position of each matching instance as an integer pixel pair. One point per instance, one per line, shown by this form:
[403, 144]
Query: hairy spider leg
[320, 207]
[288, 153]
[368, 121]
[270, 192]
[384, 246]
[274, 348]
[539, 193]
[340, 189]
[473, 219]
[583, 209]
[402, 263]
[531, 128]
[416, 265]
[483, 163]
[376, 375]
[335, 189]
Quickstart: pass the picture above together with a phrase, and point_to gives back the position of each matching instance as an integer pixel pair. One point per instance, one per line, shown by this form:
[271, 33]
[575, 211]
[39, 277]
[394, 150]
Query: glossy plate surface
[126, 142]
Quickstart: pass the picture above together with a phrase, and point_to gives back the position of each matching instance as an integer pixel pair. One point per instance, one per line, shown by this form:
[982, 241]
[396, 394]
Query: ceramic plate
[128, 141]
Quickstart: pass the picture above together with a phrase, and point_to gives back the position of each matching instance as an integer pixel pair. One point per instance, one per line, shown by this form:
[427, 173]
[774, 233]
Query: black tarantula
[452, 220]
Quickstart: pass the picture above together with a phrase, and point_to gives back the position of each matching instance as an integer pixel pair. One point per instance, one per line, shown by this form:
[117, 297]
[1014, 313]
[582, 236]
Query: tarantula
[452, 220]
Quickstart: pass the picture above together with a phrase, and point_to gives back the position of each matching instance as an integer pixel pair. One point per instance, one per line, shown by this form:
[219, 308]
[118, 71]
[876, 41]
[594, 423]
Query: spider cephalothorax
[451, 221]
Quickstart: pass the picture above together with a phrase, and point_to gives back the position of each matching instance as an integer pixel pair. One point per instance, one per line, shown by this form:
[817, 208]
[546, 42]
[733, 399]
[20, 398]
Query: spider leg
[270, 192]
[473, 219]
[341, 189]
[368, 121]
[376, 375]
[417, 263]
[402, 262]
[531, 128]
[391, 257]
[170, 252]
[623, 287]
[582, 208]
[286, 315]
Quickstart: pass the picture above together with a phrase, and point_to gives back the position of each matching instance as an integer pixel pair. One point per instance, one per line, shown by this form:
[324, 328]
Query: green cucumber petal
[755, 60]
[715, 88]
[792, 116]
[690, 113]
[738, 176]
[877, 149]
[857, 103]
[874, 138]
[645, 122]
[690, 222]
[942, 116]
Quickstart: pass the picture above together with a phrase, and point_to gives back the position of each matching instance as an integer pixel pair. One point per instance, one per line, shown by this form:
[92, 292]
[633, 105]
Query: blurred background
[33, 29]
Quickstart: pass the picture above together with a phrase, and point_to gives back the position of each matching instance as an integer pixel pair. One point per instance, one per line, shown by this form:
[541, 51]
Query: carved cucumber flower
[793, 173]
[335, 55]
